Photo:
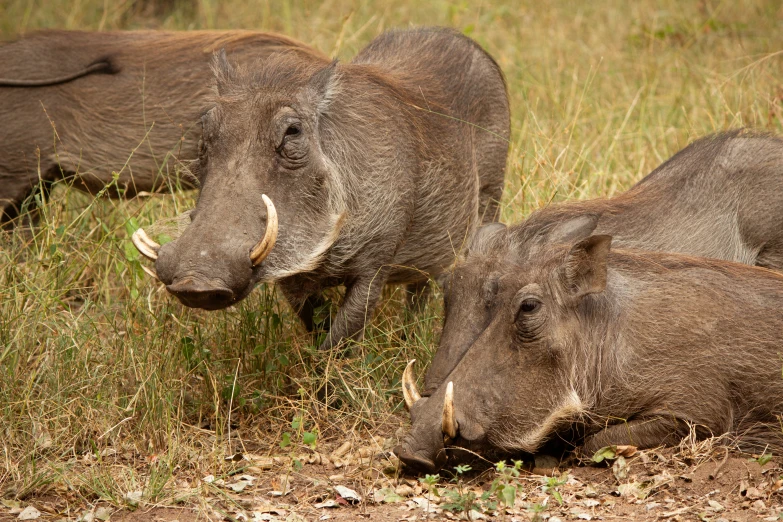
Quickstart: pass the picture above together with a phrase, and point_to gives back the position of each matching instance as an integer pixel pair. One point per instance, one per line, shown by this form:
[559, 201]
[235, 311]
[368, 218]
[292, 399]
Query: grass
[96, 360]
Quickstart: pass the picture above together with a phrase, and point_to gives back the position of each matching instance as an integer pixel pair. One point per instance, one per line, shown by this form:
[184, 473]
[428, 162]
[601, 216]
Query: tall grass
[96, 359]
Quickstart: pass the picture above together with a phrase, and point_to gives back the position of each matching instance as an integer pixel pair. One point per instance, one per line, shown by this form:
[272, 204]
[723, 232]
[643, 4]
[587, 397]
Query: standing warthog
[597, 348]
[380, 170]
[84, 104]
[720, 197]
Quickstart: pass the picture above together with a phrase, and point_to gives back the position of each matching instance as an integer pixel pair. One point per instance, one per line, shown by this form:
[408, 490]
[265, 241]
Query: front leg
[647, 432]
[361, 298]
[304, 304]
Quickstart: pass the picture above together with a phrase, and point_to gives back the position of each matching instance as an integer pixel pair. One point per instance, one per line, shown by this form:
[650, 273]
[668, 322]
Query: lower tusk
[150, 273]
[146, 246]
[409, 390]
[262, 249]
[449, 423]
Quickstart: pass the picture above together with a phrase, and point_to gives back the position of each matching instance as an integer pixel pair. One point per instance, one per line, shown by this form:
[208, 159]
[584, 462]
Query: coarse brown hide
[720, 197]
[594, 348]
[380, 170]
[81, 105]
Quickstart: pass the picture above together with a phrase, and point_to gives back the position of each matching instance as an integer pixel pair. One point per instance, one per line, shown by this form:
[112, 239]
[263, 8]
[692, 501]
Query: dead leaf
[42, 438]
[327, 504]
[348, 494]
[29, 513]
[620, 469]
[133, 497]
[282, 485]
[626, 451]
[342, 450]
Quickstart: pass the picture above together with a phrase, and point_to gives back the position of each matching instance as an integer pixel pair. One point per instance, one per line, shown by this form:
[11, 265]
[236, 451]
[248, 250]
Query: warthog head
[513, 387]
[471, 288]
[269, 205]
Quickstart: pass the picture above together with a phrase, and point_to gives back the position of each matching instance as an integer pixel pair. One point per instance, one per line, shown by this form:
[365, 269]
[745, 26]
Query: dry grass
[94, 357]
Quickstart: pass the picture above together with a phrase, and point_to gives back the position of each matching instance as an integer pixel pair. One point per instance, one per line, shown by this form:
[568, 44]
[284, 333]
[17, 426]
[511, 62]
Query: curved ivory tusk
[150, 273]
[262, 249]
[409, 390]
[449, 423]
[146, 246]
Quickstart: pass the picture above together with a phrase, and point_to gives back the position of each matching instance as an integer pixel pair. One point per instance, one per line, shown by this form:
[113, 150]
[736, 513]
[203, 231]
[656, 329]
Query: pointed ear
[487, 238]
[572, 229]
[324, 86]
[584, 270]
[224, 72]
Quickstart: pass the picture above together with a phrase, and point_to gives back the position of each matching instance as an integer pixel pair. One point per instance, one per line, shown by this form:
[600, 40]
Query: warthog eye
[293, 130]
[529, 306]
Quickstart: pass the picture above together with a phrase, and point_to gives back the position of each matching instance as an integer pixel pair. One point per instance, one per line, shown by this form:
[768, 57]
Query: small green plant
[460, 499]
[505, 484]
[551, 485]
[466, 501]
[300, 435]
[762, 459]
[430, 482]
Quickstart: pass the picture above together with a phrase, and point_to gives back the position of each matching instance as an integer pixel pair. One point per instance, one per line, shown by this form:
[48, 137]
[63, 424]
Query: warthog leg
[646, 432]
[361, 298]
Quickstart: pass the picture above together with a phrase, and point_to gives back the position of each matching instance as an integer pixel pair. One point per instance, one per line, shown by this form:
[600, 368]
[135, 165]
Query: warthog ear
[223, 70]
[324, 85]
[488, 238]
[584, 270]
[572, 229]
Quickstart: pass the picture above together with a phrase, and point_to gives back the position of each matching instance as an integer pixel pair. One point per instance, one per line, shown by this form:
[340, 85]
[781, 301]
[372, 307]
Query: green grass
[94, 357]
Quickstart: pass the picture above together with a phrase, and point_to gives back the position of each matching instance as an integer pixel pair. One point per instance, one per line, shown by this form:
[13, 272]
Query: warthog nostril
[418, 462]
[201, 294]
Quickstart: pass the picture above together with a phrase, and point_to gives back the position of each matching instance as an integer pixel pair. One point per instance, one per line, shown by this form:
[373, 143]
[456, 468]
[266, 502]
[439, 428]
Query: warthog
[380, 170]
[596, 348]
[84, 104]
[720, 197]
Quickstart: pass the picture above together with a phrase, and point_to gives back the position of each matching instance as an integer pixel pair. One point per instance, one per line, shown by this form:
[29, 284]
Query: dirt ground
[696, 481]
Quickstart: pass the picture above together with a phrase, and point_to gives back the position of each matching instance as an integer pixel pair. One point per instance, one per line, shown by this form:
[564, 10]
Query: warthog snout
[435, 426]
[209, 269]
[199, 293]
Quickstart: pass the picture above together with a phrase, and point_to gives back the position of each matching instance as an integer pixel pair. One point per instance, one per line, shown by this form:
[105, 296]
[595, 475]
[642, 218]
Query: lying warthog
[84, 104]
[380, 170]
[720, 197]
[597, 348]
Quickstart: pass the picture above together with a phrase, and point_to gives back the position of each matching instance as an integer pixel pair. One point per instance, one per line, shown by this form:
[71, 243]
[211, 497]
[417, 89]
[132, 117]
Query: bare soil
[697, 481]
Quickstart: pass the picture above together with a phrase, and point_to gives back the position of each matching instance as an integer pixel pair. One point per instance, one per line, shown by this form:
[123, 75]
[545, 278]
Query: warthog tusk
[150, 273]
[449, 423]
[262, 249]
[145, 245]
[409, 390]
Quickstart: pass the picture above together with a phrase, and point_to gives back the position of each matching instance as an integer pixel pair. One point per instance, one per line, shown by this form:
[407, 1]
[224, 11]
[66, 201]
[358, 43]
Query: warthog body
[592, 348]
[720, 197]
[380, 170]
[84, 104]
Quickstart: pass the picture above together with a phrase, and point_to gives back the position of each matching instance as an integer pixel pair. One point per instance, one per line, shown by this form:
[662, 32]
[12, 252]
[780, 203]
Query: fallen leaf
[620, 469]
[607, 452]
[342, 450]
[348, 494]
[29, 513]
[10, 503]
[133, 497]
[327, 504]
[627, 451]
[238, 486]
[283, 486]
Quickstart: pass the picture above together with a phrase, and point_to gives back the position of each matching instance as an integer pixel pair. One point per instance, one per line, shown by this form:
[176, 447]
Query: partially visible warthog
[84, 104]
[595, 348]
[720, 197]
[380, 170]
